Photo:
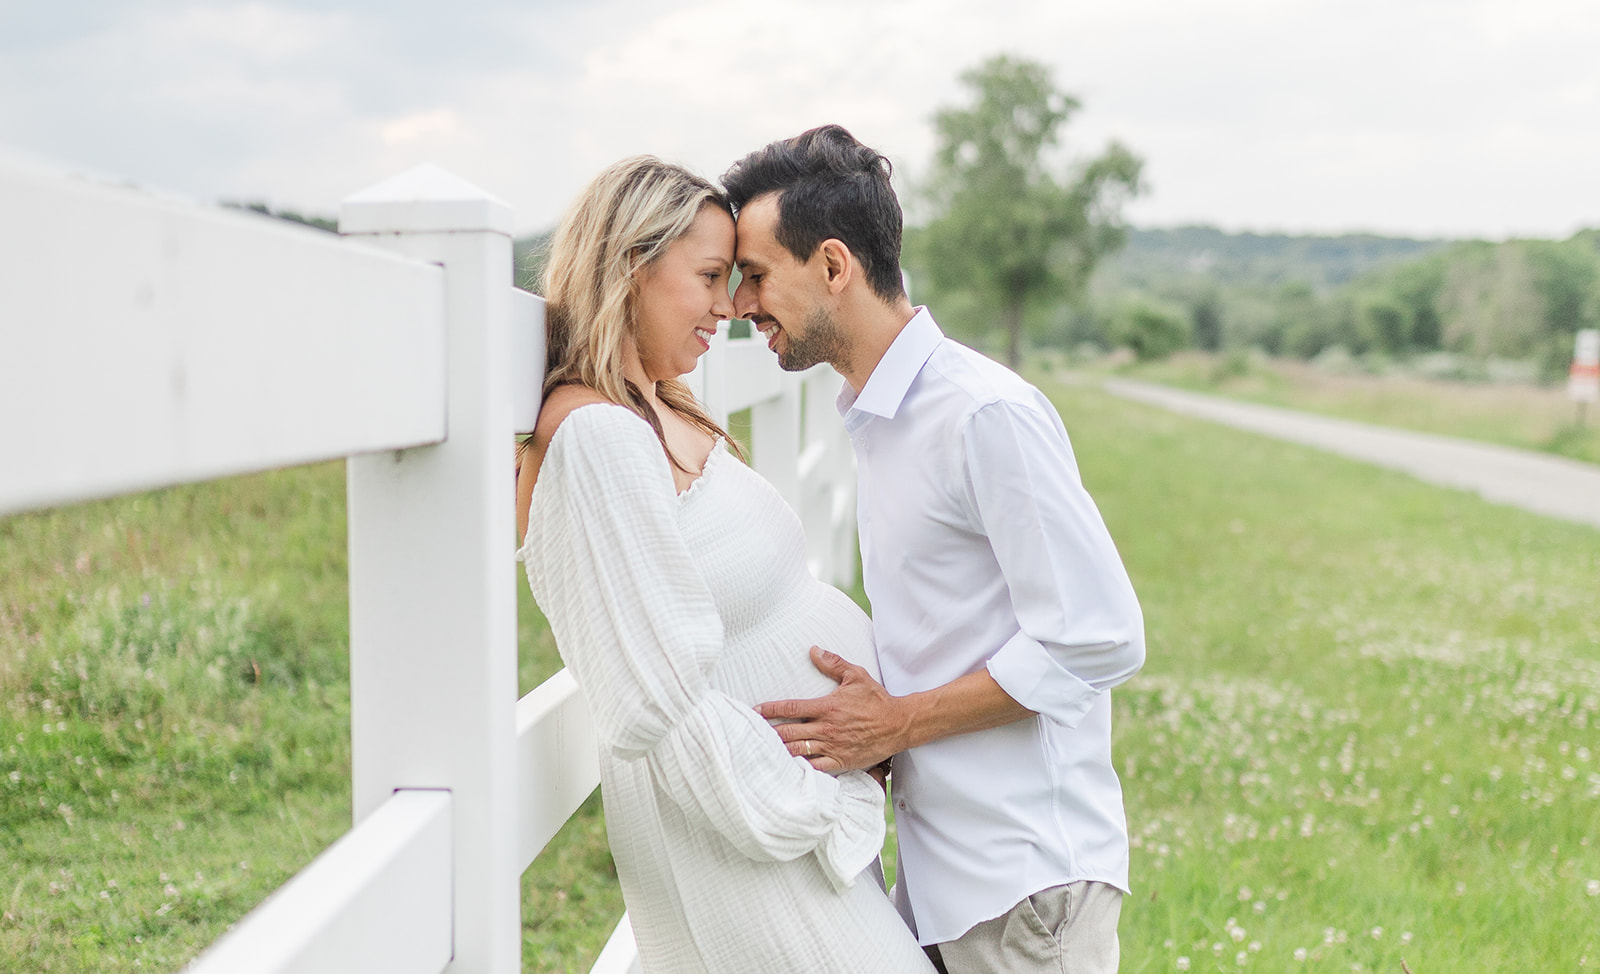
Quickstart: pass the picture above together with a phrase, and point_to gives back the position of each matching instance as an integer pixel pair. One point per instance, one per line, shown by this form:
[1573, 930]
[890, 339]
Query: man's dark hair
[829, 186]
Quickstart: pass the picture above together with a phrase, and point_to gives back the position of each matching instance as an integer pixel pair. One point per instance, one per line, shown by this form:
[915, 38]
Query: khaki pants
[1069, 929]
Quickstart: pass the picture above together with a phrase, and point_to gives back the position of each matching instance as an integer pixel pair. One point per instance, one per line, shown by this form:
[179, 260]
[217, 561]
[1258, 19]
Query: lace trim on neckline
[718, 445]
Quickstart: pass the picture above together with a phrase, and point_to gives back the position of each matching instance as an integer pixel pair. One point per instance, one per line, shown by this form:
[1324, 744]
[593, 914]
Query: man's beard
[823, 341]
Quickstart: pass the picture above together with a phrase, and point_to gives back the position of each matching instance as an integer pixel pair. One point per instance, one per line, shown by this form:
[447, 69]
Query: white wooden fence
[192, 343]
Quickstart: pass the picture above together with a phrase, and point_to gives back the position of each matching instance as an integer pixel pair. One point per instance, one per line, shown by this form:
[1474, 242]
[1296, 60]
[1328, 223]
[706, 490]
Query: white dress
[676, 614]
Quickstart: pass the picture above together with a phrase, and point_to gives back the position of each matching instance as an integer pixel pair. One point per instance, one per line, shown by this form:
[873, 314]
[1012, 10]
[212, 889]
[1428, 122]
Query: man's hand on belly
[853, 728]
[860, 724]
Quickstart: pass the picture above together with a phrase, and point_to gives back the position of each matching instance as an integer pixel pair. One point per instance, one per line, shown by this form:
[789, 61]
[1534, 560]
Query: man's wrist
[966, 704]
[913, 713]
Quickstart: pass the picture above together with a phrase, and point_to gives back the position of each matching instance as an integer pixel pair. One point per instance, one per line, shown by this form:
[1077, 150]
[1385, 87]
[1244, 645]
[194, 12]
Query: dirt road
[1538, 482]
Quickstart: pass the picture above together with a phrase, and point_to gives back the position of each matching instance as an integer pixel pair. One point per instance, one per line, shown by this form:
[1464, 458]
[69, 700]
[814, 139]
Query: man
[1001, 609]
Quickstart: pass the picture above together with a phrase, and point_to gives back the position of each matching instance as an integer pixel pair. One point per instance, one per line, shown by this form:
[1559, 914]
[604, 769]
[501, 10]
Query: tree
[1150, 330]
[1006, 228]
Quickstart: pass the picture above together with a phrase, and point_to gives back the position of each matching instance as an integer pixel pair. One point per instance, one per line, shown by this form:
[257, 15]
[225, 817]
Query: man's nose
[745, 304]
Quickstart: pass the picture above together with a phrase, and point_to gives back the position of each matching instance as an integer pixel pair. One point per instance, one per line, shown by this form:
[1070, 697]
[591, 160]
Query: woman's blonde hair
[623, 222]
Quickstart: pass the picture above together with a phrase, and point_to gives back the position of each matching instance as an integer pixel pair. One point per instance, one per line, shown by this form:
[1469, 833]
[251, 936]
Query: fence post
[432, 600]
[775, 440]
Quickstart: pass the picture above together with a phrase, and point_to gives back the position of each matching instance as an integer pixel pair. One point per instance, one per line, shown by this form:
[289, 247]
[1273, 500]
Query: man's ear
[838, 264]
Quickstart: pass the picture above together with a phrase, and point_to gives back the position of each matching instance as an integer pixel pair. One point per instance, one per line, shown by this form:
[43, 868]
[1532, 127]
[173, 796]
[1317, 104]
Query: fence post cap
[426, 199]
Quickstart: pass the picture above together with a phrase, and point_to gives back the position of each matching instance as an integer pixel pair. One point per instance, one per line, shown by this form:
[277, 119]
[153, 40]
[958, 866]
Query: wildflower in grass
[1300, 954]
[1592, 887]
[1377, 933]
[1183, 963]
[1241, 958]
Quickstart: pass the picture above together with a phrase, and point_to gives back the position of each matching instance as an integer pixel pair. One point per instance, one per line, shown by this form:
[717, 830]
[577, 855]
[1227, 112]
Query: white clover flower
[1377, 933]
[1592, 887]
[1300, 954]
[1183, 963]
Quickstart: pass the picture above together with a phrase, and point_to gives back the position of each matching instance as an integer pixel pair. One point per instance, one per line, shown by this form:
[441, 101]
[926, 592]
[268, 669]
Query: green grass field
[1368, 731]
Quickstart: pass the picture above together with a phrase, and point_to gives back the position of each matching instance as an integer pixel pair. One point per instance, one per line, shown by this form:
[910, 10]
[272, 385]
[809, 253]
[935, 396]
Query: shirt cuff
[1029, 675]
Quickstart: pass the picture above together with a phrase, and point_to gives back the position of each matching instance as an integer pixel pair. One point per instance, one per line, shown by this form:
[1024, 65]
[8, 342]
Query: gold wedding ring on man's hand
[808, 748]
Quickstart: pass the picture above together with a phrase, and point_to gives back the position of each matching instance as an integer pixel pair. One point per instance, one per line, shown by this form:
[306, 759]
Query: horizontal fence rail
[197, 343]
[557, 762]
[378, 899]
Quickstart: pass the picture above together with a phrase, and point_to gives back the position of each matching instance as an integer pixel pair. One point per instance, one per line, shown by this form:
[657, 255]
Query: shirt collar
[889, 382]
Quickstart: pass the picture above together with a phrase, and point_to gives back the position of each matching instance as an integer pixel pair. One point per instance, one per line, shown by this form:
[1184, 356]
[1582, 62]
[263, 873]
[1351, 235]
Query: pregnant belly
[771, 659]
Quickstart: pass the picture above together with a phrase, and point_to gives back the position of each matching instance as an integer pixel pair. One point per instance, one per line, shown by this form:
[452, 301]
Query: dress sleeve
[634, 621]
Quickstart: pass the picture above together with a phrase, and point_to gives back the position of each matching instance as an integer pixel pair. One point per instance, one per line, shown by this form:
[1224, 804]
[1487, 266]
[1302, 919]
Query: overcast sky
[1417, 117]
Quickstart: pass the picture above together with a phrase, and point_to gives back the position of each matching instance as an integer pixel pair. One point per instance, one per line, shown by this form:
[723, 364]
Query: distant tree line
[292, 216]
[1373, 298]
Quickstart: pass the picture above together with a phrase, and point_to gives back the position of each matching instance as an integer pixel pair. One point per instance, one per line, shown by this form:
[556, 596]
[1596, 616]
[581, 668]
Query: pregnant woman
[674, 581]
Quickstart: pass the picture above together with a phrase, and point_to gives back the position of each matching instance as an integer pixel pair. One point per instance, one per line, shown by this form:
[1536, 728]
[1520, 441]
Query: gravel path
[1538, 482]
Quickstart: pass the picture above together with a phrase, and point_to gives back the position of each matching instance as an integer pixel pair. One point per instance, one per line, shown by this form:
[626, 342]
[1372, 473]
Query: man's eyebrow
[745, 263]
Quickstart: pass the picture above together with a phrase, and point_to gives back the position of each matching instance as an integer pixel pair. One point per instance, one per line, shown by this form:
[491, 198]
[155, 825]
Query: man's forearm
[860, 724]
[970, 703]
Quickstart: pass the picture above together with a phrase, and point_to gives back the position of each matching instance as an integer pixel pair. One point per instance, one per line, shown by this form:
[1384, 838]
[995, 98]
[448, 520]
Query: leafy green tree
[1151, 330]
[1007, 229]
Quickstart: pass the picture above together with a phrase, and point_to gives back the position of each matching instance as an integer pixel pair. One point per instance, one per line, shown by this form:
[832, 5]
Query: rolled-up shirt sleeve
[1080, 630]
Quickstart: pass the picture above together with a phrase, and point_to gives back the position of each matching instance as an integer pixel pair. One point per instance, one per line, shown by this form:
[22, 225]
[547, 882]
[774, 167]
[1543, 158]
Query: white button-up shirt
[981, 547]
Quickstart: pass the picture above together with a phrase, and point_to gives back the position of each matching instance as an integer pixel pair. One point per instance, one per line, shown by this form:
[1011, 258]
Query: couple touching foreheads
[743, 768]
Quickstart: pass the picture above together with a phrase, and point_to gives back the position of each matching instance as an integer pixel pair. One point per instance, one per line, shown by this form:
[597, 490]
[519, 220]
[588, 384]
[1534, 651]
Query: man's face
[784, 298]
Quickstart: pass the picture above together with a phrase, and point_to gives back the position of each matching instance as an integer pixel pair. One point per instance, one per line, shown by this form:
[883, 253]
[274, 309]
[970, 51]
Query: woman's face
[683, 295]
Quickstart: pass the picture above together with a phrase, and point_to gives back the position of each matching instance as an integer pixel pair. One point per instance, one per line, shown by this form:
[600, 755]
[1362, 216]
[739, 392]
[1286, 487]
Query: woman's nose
[722, 304]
